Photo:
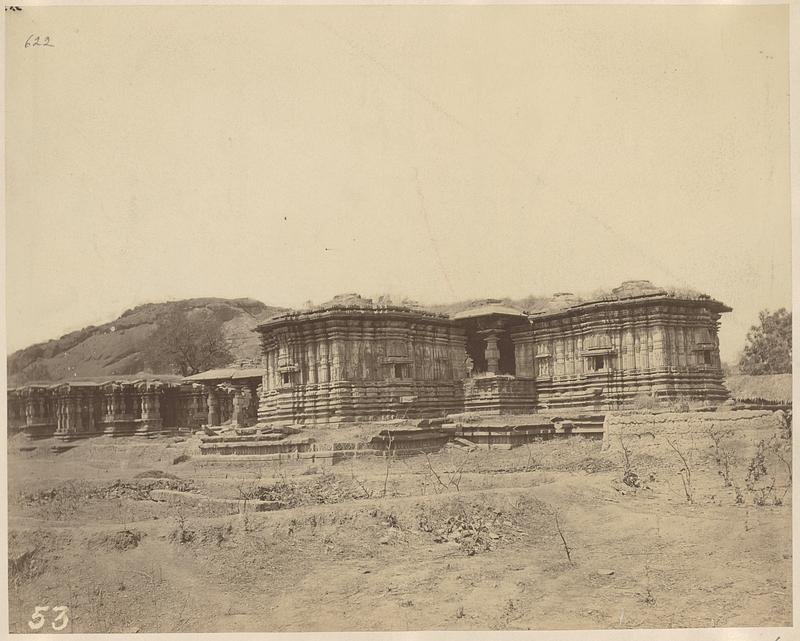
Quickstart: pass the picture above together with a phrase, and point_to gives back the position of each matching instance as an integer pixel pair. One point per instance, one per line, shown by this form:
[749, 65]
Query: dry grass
[545, 536]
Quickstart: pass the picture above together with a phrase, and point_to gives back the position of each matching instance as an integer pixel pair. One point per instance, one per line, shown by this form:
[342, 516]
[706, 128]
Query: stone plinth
[499, 394]
[349, 401]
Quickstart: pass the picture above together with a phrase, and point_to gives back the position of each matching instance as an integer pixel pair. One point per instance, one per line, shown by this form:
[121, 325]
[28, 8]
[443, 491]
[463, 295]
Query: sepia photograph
[398, 318]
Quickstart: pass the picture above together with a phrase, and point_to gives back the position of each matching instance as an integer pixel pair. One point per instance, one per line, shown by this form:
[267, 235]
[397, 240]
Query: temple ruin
[134, 406]
[352, 359]
[143, 406]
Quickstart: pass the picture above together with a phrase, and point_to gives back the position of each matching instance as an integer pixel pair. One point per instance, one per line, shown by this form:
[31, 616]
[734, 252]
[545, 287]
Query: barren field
[556, 534]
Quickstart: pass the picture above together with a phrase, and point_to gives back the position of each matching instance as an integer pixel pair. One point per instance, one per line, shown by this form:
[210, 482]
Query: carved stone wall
[601, 357]
[344, 364]
[501, 394]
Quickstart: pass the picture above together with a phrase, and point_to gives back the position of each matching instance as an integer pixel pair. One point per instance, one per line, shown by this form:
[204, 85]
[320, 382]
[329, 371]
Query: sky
[438, 153]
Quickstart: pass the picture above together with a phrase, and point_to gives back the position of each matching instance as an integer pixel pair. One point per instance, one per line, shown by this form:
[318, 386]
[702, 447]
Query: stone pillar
[118, 402]
[155, 406]
[272, 372]
[337, 364]
[523, 353]
[569, 355]
[30, 404]
[114, 408]
[147, 406]
[629, 356]
[35, 410]
[88, 406]
[70, 423]
[77, 405]
[658, 347]
[311, 364]
[141, 404]
[213, 405]
[66, 408]
[61, 415]
[324, 368]
[111, 395]
[198, 412]
[108, 410]
[647, 341]
[150, 394]
[491, 336]
[249, 394]
[237, 415]
[558, 360]
[201, 405]
[16, 409]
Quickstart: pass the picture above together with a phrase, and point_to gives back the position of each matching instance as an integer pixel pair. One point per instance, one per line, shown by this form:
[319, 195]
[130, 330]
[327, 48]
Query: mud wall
[639, 426]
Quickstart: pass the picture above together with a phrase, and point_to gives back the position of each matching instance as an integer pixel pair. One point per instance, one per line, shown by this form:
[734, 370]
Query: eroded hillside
[117, 347]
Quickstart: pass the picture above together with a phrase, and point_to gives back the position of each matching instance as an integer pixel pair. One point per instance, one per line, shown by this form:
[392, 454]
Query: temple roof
[96, 381]
[350, 304]
[558, 302]
[628, 291]
[490, 307]
[226, 374]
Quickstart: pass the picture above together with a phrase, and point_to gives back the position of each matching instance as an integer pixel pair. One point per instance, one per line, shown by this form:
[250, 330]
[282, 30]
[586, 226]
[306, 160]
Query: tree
[769, 345]
[187, 343]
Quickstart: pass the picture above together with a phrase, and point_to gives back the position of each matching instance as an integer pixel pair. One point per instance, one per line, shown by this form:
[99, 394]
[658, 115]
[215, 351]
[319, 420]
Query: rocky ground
[557, 534]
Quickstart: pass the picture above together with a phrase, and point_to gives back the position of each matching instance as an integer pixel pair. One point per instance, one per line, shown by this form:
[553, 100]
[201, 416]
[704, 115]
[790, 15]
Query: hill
[115, 348]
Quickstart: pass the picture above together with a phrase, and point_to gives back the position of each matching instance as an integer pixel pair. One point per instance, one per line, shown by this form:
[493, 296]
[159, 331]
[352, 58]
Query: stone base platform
[39, 430]
[504, 432]
[404, 441]
[147, 428]
[483, 429]
[499, 394]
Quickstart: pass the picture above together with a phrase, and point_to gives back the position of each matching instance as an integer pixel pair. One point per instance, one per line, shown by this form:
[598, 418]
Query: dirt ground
[545, 536]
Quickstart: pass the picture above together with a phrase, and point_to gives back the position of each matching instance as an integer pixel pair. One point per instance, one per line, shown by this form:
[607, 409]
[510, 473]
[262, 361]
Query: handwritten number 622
[35, 41]
[59, 623]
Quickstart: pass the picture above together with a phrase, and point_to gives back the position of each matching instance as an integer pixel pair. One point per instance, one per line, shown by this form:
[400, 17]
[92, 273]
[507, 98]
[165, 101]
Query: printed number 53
[59, 623]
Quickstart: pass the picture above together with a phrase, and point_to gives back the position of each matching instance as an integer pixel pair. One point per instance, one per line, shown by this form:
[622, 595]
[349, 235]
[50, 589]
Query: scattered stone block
[466, 443]
[175, 497]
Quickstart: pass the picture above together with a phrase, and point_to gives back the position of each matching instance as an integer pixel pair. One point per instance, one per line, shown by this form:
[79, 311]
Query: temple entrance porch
[492, 384]
[488, 330]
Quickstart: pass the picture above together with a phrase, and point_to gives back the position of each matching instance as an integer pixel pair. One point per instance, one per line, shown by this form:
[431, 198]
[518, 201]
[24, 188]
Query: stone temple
[352, 359]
